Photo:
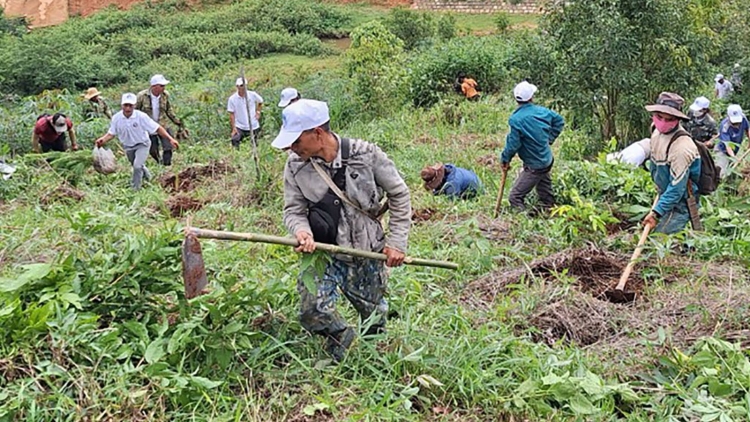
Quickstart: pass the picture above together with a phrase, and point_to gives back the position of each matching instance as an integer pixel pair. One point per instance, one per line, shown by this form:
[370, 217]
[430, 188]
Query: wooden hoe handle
[289, 241]
[633, 259]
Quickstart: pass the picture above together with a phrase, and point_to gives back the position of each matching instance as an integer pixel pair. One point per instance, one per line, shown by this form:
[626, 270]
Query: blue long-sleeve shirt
[533, 129]
[459, 183]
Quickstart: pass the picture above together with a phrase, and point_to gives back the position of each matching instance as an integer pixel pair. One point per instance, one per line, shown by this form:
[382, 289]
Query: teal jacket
[533, 129]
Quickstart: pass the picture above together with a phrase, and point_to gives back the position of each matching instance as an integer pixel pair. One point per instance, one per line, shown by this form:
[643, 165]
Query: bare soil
[595, 271]
[180, 204]
[189, 178]
[717, 304]
[424, 214]
[62, 193]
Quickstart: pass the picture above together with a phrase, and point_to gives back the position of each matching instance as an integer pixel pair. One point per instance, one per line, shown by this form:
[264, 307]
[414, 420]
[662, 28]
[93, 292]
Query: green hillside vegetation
[93, 321]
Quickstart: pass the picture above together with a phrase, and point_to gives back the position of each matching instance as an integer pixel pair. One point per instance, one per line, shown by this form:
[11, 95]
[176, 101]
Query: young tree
[614, 56]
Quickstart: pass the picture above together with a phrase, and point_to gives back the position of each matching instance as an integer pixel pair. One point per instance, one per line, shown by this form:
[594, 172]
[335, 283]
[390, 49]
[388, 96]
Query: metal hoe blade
[193, 268]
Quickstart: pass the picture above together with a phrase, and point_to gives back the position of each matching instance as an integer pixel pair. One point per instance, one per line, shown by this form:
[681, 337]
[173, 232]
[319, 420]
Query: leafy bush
[374, 62]
[432, 71]
[111, 47]
[502, 22]
[612, 57]
[413, 28]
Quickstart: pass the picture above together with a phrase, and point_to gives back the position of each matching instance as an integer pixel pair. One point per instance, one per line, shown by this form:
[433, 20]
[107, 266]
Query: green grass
[101, 329]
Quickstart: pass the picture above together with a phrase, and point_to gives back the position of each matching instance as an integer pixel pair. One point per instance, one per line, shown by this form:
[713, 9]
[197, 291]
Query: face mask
[699, 114]
[662, 125]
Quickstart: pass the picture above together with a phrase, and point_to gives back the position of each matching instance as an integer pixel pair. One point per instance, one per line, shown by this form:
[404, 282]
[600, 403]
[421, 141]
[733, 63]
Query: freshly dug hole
[189, 178]
[595, 270]
[180, 204]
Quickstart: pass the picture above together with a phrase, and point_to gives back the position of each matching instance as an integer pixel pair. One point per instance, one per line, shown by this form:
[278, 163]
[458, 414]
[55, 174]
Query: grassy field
[94, 324]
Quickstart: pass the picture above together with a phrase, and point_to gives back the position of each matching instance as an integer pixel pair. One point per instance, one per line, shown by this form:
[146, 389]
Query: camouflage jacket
[165, 108]
[701, 129]
[97, 108]
[370, 175]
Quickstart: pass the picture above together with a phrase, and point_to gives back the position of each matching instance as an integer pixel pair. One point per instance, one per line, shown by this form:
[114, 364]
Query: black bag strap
[678, 133]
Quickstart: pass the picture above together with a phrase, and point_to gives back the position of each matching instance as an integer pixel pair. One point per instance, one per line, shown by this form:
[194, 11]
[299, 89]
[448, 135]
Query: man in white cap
[533, 129]
[676, 165]
[722, 87]
[96, 105]
[238, 105]
[155, 103]
[288, 96]
[701, 126]
[49, 133]
[333, 188]
[732, 132]
[134, 129]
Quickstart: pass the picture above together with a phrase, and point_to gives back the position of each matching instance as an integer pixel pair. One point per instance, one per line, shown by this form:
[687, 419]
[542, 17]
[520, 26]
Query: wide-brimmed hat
[91, 93]
[669, 103]
[433, 176]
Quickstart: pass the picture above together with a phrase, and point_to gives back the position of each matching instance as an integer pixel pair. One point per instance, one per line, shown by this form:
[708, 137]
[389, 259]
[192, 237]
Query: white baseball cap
[287, 95]
[718, 77]
[524, 91]
[128, 98]
[299, 117]
[60, 123]
[158, 80]
[700, 103]
[734, 111]
[240, 82]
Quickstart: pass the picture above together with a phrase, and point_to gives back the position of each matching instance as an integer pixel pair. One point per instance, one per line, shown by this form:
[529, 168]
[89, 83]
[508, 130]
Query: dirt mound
[683, 314]
[62, 193]
[595, 271]
[496, 230]
[180, 204]
[424, 214]
[189, 178]
[489, 160]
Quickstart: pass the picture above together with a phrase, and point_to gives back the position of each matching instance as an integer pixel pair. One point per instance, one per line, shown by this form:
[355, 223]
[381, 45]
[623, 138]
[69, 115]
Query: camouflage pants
[363, 283]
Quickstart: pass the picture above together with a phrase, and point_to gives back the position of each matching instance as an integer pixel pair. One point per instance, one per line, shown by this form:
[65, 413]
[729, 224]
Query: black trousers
[528, 180]
[157, 140]
[58, 144]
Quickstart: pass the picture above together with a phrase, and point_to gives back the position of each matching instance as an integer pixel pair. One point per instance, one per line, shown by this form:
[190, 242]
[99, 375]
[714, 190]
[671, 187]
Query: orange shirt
[469, 88]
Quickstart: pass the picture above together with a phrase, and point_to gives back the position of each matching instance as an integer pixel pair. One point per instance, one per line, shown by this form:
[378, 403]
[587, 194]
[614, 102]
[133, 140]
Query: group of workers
[337, 189]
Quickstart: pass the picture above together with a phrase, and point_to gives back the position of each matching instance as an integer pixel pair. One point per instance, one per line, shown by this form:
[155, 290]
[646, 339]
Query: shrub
[413, 28]
[374, 63]
[432, 72]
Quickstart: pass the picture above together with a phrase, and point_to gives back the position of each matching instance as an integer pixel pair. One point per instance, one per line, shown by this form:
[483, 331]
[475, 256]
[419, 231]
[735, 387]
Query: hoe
[194, 271]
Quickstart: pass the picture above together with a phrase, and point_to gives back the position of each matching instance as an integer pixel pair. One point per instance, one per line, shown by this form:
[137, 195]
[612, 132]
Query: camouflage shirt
[97, 108]
[701, 129]
[166, 111]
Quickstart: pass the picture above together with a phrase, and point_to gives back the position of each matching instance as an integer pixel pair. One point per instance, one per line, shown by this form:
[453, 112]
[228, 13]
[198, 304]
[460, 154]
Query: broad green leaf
[154, 351]
[580, 405]
[551, 379]
[526, 387]
[719, 389]
[205, 382]
[592, 384]
[312, 409]
[233, 327]
[138, 329]
[33, 272]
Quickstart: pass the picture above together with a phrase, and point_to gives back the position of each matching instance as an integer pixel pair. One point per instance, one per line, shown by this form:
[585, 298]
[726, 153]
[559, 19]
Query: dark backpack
[709, 178]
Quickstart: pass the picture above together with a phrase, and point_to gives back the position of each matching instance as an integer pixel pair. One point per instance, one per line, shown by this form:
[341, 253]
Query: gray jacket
[370, 175]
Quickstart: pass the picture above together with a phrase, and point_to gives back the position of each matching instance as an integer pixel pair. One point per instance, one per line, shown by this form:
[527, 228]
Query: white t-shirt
[133, 131]
[236, 105]
[154, 107]
[723, 89]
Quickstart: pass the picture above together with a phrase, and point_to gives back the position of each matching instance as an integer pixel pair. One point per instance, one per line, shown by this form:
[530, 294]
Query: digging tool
[619, 295]
[500, 193]
[250, 122]
[195, 285]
